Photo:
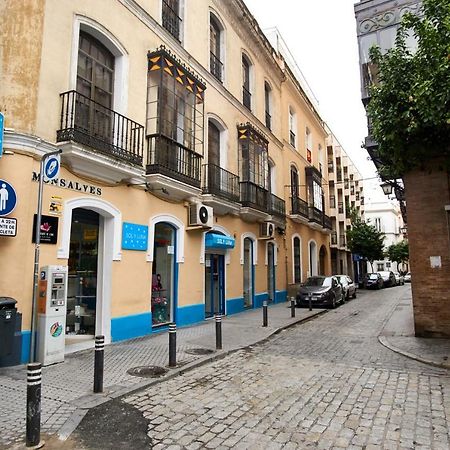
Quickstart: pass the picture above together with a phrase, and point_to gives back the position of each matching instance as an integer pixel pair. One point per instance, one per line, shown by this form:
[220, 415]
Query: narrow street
[326, 384]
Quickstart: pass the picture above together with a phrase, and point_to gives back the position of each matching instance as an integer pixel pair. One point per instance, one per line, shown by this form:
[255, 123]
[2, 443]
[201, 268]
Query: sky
[321, 35]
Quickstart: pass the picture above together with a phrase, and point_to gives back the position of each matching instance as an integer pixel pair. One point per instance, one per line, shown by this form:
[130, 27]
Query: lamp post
[387, 188]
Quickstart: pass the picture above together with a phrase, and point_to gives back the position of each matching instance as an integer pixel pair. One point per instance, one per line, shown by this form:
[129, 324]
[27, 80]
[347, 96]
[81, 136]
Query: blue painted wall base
[128, 327]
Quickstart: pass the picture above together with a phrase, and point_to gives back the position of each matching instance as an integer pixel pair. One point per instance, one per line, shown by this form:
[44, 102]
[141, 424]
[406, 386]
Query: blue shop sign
[134, 236]
[213, 240]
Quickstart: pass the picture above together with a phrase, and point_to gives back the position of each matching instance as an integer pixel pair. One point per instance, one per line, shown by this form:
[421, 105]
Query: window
[297, 260]
[215, 46]
[308, 142]
[380, 267]
[378, 223]
[213, 144]
[171, 19]
[317, 196]
[320, 159]
[246, 93]
[292, 128]
[267, 103]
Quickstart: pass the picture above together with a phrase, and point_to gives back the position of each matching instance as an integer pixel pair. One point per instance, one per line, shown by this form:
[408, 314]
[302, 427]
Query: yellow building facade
[191, 179]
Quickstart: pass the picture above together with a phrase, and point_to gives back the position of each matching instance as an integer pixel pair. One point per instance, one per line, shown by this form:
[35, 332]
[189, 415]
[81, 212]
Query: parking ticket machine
[52, 307]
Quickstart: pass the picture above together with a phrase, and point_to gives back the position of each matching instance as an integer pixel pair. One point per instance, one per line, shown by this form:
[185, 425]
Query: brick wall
[427, 193]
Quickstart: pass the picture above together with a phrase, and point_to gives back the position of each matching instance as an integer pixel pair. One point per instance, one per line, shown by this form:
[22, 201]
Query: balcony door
[294, 189]
[95, 81]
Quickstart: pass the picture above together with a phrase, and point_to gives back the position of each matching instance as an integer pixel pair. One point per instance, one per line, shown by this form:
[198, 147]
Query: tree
[409, 108]
[365, 240]
[398, 253]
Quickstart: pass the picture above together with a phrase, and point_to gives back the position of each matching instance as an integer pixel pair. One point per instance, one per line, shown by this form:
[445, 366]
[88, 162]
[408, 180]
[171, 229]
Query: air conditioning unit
[267, 230]
[200, 216]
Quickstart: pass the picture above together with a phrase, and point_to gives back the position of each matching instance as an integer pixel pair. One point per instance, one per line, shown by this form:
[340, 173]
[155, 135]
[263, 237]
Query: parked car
[388, 278]
[348, 286]
[399, 279]
[373, 281]
[407, 277]
[325, 291]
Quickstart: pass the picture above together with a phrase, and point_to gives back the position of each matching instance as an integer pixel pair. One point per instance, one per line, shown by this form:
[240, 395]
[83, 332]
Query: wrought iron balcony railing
[104, 130]
[246, 98]
[172, 159]
[171, 21]
[334, 238]
[277, 206]
[342, 240]
[315, 215]
[220, 182]
[332, 201]
[299, 207]
[341, 207]
[254, 196]
[216, 66]
[327, 222]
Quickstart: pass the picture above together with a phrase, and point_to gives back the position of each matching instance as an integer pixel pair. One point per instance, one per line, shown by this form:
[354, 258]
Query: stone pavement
[67, 387]
[327, 384]
[398, 335]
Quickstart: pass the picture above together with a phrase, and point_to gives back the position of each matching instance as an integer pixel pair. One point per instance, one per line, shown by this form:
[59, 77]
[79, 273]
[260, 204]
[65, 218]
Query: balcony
[299, 211]
[315, 218]
[254, 201]
[246, 98]
[342, 240]
[341, 207]
[172, 168]
[171, 21]
[216, 66]
[220, 189]
[333, 237]
[111, 145]
[327, 224]
[332, 201]
[277, 207]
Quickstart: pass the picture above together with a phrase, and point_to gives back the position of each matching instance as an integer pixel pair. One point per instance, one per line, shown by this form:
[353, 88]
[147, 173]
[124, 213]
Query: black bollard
[292, 307]
[309, 301]
[265, 321]
[218, 332]
[172, 345]
[99, 362]
[34, 376]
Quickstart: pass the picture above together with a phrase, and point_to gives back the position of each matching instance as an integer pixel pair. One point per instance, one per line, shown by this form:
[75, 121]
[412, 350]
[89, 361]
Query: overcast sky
[321, 35]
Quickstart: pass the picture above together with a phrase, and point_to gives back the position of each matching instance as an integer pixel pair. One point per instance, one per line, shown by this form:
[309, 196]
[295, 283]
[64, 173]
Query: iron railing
[292, 138]
[215, 66]
[299, 207]
[315, 215]
[220, 182]
[246, 98]
[330, 166]
[268, 120]
[332, 201]
[341, 207]
[171, 21]
[172, 159]
[339, 174]
[342, 240]
[333, 238]
[253, 196]
[277, 206]
[87, 122]
[327, 222]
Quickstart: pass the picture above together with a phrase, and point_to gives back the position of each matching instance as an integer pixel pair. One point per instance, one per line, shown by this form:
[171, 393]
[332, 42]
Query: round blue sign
[8, 198]
[51, 167]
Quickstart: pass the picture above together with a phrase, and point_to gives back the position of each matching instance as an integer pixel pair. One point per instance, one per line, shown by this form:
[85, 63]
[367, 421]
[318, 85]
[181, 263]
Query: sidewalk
[398, 335]
[67, 387]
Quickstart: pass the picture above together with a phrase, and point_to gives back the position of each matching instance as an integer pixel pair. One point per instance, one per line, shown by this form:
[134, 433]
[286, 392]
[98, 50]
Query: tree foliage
[410, 105]
[398, 253]
[365, 240]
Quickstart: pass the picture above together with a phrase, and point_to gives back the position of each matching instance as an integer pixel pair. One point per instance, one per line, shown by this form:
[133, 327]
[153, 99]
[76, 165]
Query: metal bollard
[99, 363]
[218, 332]
[309, 301]
[172, 345]
[292, 307]
[34, 377]
[265, 321]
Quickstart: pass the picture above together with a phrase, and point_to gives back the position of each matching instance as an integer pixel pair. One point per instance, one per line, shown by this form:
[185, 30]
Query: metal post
[309, 301]
[218, 332]
[99, 363]
[265, 313]
[33, 426]
[172, 345]
[36, 256]
[292, 307]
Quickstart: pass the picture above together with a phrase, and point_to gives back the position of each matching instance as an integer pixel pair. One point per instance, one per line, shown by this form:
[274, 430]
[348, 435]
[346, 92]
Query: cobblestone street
[324, 384]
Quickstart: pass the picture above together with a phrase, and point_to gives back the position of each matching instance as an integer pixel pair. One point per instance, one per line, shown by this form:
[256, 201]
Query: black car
[373, 281]
[324, 291]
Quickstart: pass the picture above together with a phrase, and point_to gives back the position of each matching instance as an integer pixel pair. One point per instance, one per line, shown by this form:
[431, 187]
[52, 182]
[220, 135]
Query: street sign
[51, 167]
[8, 198]
[2, 127]
[8, 226]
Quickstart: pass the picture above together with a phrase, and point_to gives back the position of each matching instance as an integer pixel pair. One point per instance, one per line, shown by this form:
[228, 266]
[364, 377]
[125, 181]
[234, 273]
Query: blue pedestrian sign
[8, 198]
[51, 167]
[2, 122]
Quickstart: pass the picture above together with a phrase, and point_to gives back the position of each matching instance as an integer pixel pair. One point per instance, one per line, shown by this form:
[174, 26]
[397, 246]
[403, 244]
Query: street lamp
[387, 188]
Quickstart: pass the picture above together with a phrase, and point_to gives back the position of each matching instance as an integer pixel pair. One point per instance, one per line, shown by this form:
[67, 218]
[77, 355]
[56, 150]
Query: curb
[92, 400]
[383, 341]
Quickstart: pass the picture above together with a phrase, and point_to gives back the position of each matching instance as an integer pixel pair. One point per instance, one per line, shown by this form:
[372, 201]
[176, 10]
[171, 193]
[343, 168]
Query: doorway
[248, 273]
[82, 276]
[214, 285]
[271, 271]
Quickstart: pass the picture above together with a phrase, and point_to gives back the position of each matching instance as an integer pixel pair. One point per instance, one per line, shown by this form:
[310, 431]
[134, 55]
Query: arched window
[292, 127]
[246, 92]
[297, 262]
[268, 104]
[215, 47]
[313, 266]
